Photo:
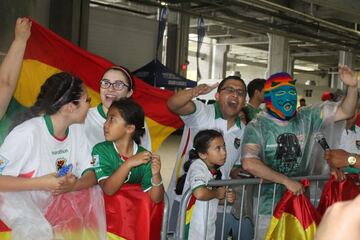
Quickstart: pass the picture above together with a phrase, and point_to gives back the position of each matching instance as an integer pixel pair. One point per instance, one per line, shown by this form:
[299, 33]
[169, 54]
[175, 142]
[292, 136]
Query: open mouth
[287, 107]
[233, 104]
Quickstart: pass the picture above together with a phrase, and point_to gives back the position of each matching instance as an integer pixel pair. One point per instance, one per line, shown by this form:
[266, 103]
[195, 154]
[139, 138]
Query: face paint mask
[284, 100]
[281, 96]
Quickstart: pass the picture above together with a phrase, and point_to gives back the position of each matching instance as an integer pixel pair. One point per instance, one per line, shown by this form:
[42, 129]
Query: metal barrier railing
[165, 220]
[180, 233]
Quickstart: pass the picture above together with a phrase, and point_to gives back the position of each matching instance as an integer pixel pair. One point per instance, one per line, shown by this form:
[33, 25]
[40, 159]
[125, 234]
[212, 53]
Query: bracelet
[156, 184]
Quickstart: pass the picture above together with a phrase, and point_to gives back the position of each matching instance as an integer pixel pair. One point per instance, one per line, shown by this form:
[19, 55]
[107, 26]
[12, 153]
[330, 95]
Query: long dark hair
[201, 145]
[133, 114]
[58, 90]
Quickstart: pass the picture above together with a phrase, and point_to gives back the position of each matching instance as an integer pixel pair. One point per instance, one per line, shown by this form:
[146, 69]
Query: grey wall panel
[124, 39]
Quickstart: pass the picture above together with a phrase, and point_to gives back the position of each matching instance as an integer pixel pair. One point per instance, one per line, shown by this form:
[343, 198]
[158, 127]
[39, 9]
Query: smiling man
[278, 143]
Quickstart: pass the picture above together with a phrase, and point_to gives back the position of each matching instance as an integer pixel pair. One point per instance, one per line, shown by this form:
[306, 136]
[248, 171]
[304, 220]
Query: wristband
[156, 184]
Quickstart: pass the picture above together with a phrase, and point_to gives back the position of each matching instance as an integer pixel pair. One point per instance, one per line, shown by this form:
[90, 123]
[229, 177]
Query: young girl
[120, 159]
[207, 155]
[116, 83]
[47, 140]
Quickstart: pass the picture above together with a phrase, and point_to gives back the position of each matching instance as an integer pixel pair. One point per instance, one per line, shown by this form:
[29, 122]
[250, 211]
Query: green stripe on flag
[13, 109]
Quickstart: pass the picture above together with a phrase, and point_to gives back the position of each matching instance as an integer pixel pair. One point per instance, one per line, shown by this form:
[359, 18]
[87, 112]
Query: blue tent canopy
[156, 74]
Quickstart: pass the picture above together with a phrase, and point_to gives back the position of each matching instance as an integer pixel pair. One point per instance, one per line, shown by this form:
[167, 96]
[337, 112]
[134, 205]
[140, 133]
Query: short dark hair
[255, 84]
[222, 83]
[302, 100]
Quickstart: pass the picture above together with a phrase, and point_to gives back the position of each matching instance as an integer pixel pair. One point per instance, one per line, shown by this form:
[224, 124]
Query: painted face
[110, 87]
[284, 99]
[231, 98]
[115, 126]
[216, 153]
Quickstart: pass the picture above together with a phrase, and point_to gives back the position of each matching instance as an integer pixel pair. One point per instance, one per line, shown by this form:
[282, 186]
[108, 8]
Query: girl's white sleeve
[197, 177]
[16, 151]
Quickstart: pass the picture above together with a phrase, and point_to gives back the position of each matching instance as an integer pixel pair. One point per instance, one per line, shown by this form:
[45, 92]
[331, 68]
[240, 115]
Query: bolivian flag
[47, 53]
[294, 218]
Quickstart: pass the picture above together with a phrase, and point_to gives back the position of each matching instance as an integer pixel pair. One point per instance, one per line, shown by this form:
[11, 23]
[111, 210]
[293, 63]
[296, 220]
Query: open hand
[348, 77]
[203, 89]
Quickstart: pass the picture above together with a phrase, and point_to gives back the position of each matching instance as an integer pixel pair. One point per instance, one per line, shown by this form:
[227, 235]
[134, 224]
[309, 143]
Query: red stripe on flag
[49, 48]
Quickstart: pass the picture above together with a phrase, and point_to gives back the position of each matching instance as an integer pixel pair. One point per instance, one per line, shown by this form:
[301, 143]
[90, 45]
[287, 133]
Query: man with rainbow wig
[278, 143]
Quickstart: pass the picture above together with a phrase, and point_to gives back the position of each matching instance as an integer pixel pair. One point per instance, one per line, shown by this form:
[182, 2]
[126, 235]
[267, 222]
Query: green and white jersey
[284, 146]
[251, 112]
[210, 117]
[106, 160]
[94, 127]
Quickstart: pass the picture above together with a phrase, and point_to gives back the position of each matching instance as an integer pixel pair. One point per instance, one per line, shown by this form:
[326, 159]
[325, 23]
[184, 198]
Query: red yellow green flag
[47, 53]
[294, 218]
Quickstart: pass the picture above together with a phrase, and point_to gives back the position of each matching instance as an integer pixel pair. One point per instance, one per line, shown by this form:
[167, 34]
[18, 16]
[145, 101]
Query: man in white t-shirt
[115, 84]
[223, 115]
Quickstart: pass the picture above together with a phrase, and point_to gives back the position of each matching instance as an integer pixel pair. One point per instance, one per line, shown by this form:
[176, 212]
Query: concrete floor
[168, 153]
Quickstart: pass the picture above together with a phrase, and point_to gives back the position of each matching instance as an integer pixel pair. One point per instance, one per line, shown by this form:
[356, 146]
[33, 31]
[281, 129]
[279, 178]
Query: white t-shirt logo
[60, 162]
[3, 164]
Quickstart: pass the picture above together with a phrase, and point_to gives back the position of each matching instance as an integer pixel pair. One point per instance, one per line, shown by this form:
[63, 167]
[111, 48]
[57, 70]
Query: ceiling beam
[346, 6]
[315, 54]
[244, 41]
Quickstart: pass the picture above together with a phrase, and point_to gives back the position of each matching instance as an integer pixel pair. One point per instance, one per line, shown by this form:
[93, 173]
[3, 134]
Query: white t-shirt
[350, 140]
[31, 151]
[197, 176]
[209, 117]
[94, 127]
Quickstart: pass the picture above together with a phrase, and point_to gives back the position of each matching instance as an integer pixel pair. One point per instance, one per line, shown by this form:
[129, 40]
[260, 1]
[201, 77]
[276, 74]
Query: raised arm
[181, 102]
[347, 108]
[11, 66]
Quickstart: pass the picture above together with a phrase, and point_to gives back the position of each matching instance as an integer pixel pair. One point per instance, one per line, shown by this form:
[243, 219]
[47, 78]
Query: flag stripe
[47, 47]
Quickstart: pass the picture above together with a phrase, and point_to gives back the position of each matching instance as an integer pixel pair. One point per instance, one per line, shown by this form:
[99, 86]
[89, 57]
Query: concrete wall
[124, 39]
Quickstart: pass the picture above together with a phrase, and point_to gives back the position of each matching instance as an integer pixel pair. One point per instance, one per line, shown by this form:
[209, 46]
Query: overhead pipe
[286, 9]
[271, 28]
[250, 21]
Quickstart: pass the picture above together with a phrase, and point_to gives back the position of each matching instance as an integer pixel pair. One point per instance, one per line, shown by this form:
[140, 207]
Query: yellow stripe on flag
[189, 214]
[112, 236]
[32, 76]
[287, 227]
[158, 132]
[5, 235]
